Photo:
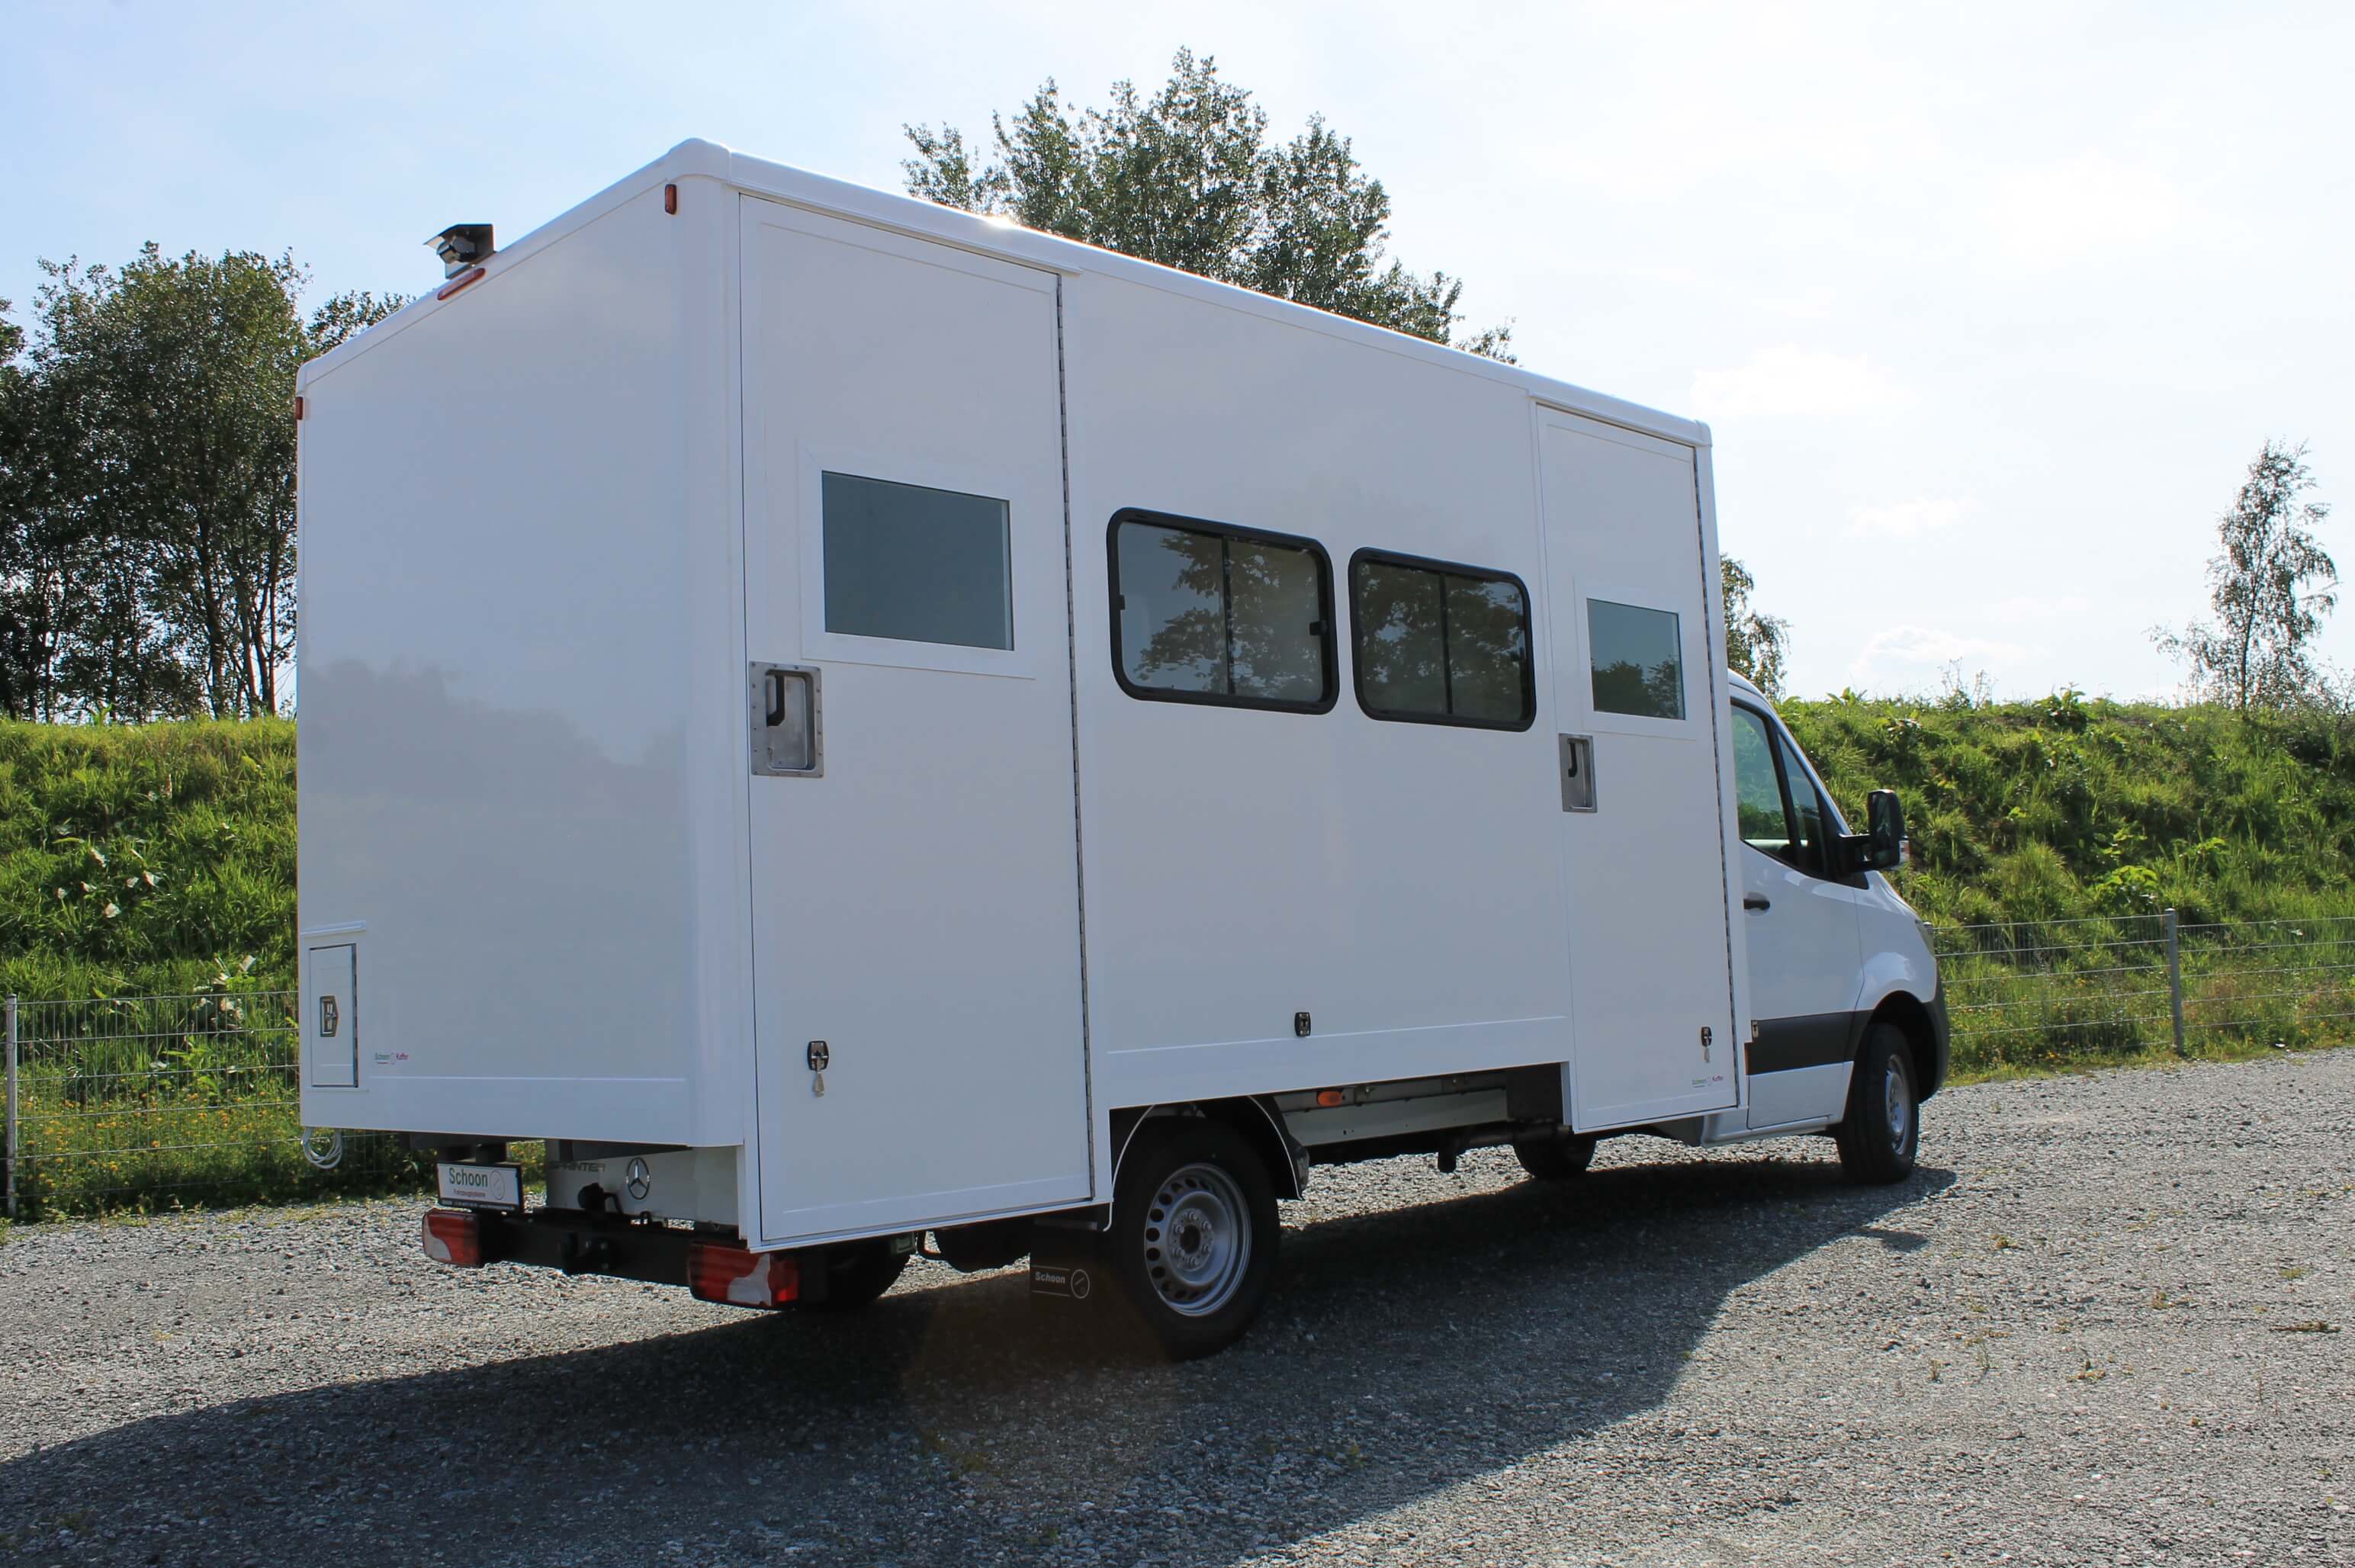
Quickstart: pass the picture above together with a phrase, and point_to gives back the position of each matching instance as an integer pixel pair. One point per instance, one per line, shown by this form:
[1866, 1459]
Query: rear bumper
[579, 1242]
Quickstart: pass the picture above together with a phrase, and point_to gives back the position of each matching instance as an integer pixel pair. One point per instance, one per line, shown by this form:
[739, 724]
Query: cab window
[1810, 853]
[1780, 811]
[1765, 814]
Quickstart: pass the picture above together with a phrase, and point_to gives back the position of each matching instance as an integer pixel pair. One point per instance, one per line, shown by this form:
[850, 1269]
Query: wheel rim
[1897, 1091]
[1197, 1240]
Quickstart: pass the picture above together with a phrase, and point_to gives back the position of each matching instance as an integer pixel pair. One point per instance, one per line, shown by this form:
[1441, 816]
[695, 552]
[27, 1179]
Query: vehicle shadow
[1406, 1351]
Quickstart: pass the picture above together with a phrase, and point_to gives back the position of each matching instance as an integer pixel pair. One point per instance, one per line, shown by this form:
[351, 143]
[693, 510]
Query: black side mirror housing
[1881, 845]
[1884, 836]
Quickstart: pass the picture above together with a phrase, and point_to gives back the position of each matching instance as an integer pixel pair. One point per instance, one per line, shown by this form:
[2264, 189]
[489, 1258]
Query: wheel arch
[1922, 1024]
[1251, 1116]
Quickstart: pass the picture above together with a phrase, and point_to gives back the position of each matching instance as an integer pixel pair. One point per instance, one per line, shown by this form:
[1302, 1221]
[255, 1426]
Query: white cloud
[1898, 658]
[1790, 380]
[1906, 519]
[2090, 206]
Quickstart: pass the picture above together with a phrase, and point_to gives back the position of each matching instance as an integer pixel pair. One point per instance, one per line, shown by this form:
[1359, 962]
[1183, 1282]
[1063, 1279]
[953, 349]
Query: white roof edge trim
[698, 158]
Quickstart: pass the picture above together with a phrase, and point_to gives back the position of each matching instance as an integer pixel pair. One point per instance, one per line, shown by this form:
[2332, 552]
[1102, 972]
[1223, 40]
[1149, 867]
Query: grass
[159, 860]
[2068, 808]
[177, 1141]
[145, 859]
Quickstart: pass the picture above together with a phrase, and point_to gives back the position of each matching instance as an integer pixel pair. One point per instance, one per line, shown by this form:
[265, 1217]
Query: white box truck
[854, 723]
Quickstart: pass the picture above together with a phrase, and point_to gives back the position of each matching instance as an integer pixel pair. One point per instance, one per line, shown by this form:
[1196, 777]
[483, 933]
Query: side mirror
[1884, 836]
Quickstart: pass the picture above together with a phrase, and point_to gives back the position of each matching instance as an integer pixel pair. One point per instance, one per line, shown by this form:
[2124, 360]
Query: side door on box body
[1642, 835]
[915, 919]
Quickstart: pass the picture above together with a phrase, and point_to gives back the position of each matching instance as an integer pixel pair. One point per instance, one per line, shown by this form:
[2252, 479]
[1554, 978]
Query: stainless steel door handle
[1577, 769]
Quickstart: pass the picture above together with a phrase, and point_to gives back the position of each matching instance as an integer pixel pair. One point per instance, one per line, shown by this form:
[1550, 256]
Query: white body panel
[1242, 866]
[508, 772]
[550, 519]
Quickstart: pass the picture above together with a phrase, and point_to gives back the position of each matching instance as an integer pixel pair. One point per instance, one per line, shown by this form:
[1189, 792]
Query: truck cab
[1836, 959]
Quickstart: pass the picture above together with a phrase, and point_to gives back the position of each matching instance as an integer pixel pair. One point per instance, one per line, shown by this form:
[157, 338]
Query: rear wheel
[1555, 1159]
[854, 1274]
[1882, 1129]
[1194, 1232]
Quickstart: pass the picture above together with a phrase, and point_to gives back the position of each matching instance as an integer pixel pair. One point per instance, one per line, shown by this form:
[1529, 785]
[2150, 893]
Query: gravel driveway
[2101, 1323]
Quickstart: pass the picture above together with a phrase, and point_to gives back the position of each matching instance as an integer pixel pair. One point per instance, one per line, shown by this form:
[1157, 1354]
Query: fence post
[12, 1108]
[2175, 979]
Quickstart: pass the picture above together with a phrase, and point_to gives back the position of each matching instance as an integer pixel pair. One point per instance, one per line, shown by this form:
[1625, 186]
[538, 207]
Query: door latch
[787, 738]
[1705, 1038]
[818, 1055]
[1576, 764]
[329, 1016]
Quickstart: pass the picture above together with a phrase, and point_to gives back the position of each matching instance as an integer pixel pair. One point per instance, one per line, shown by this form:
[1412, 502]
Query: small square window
[917, 564]
[1638, 660]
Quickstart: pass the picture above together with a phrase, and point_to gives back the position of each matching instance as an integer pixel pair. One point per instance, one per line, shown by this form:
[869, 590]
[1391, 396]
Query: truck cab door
[1801, 922]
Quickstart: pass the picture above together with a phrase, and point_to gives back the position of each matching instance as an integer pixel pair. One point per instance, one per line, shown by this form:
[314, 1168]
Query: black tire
[854, 1274]
[1555, 1159]
[1194, 1235]
[1882, 1129]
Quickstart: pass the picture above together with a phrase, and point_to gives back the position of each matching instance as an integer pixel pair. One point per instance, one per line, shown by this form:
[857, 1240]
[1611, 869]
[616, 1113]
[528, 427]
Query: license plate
[481, 1186]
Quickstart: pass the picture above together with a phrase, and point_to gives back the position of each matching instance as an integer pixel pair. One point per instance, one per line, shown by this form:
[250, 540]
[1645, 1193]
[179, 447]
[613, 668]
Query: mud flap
[1068, 1266]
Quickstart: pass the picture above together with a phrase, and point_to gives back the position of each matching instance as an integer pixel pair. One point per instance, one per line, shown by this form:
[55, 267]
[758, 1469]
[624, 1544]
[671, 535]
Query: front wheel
[1194, 1232]
[1882, 1129]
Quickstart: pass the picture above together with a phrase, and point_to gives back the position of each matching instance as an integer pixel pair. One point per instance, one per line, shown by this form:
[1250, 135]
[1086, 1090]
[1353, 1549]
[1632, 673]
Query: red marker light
[453, 1236]
[734, 1274]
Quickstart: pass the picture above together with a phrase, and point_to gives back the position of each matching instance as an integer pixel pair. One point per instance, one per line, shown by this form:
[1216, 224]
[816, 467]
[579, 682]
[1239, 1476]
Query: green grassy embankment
[2076, 824]
[2066, 809]
[147, 859]
[159, 860]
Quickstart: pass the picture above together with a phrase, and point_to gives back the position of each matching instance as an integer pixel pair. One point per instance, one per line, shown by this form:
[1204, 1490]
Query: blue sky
[1988, 305]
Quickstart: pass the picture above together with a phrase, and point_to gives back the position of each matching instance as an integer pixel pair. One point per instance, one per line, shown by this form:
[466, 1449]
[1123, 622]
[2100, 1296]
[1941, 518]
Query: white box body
[554, 524]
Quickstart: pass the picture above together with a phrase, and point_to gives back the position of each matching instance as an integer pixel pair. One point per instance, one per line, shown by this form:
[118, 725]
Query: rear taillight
[735, 1274]
[453, 1236]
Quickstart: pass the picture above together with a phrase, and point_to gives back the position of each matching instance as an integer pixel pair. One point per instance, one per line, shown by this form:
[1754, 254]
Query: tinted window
[1441, 644]
[1401, 660]
[1276, 621]
[1222, 616]
[1173, 613]
[1766, 820]
[918, 564]
[1638, 660]
[1809, 849]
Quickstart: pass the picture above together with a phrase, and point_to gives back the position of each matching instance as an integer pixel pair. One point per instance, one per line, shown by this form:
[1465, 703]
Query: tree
[2271, 586]
[1188, 178]
[1755, 643]
[147, 470]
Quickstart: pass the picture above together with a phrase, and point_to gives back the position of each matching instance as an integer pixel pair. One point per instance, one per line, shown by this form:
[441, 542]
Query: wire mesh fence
[2041, 993]
[153, 1102]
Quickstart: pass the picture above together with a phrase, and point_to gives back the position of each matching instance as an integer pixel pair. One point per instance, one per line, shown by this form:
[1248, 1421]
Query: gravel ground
[2101, 1325]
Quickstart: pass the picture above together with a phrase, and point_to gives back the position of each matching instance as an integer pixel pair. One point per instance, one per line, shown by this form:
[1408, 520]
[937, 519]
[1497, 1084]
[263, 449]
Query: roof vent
[461, 246]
